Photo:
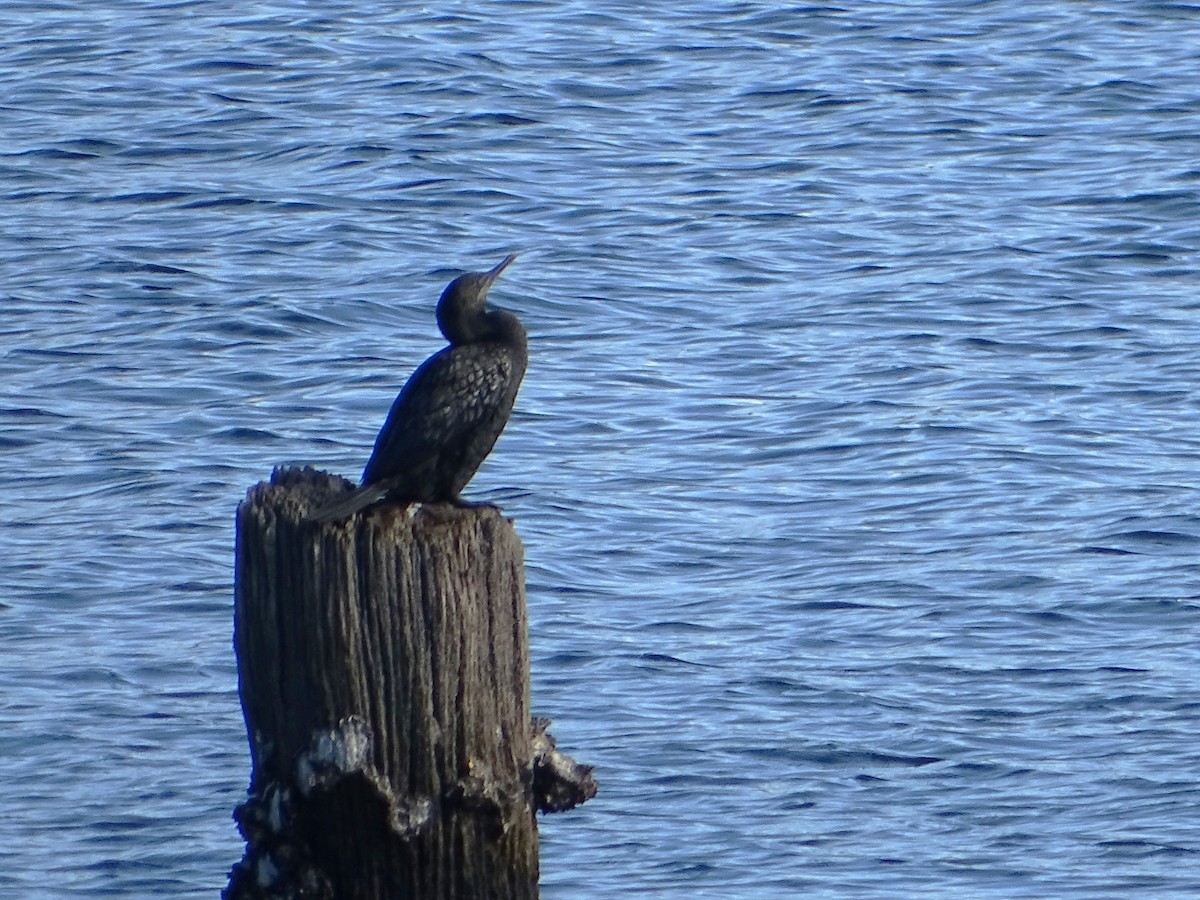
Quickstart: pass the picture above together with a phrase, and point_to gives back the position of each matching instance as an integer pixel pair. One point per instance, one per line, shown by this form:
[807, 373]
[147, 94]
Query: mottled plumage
[448, 416]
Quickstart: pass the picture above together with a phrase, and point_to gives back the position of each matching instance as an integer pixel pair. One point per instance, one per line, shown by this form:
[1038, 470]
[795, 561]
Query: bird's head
[460, 309]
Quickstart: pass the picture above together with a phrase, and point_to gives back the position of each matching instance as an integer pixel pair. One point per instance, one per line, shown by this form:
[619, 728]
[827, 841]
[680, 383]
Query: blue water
[856, 461]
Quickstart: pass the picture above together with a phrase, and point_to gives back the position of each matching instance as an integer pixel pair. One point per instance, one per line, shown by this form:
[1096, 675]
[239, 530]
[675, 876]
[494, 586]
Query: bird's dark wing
[452, 397]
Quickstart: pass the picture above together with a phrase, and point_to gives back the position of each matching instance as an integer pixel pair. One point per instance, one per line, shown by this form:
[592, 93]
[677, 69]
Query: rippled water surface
[856, 462]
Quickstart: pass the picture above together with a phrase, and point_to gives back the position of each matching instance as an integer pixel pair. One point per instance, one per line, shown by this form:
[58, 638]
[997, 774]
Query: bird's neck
[486, 326]
[505, 328]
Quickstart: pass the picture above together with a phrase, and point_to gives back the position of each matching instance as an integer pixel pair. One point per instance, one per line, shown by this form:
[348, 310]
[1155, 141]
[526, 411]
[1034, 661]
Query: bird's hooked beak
[492, 274]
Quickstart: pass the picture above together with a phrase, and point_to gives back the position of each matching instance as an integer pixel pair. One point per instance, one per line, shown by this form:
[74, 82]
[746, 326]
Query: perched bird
[448, 416]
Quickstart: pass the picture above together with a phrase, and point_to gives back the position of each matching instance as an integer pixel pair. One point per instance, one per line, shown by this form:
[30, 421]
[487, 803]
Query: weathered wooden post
[384, 674]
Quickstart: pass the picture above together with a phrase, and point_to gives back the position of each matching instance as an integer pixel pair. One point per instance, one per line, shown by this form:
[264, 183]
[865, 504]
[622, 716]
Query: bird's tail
[357, 499]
